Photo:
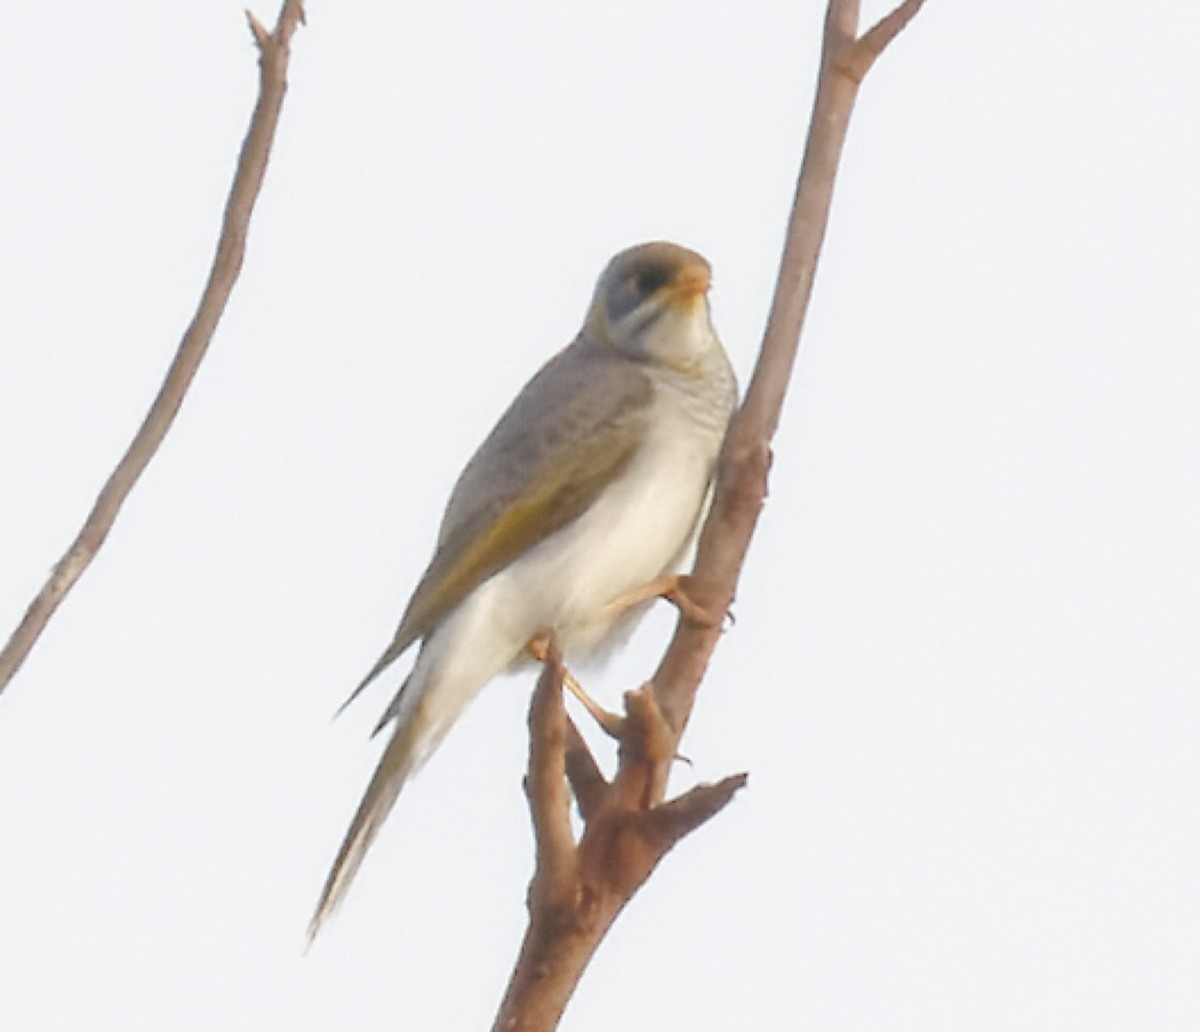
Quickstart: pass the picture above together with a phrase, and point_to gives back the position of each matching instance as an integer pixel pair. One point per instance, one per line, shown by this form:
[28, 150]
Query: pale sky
[964, 674]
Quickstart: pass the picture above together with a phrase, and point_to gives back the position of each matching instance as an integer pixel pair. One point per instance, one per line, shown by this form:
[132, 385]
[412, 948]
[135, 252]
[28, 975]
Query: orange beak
[691, 283]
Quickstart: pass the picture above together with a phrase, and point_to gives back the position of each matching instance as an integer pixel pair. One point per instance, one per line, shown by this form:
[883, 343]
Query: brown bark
[578, 890]
[274, 50]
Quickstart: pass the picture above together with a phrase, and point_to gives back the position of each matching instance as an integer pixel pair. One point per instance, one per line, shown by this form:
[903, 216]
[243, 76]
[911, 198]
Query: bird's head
[651, 303]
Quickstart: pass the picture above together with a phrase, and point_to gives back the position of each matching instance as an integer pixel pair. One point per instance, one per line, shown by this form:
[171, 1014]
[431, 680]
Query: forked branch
[579, 888]
[274, 50]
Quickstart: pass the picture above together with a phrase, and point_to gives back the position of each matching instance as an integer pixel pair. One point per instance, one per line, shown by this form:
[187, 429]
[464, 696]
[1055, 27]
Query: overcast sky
[964, 674]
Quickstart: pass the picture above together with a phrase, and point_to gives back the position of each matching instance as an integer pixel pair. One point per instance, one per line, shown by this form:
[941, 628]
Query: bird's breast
[637, 529]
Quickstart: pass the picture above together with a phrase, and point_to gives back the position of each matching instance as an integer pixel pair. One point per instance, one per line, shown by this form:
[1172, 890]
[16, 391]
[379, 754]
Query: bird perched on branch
[574, 512]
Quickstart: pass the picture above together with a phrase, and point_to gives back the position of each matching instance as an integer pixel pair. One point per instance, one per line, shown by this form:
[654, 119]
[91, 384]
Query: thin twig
[699, 804]
[873, 42]
[274, 50]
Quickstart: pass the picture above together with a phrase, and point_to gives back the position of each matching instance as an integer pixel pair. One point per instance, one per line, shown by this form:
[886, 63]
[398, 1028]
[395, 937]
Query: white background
[965, 666]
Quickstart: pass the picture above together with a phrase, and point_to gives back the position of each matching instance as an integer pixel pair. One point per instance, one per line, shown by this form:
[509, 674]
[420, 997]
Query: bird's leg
[674, 588]
[609, 723]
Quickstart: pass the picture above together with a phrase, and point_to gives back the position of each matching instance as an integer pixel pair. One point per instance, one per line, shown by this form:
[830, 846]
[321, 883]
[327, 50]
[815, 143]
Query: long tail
[411, 743]
[454, 664]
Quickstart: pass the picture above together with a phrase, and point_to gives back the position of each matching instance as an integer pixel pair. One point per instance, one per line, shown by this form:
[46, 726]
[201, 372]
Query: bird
[572, 515]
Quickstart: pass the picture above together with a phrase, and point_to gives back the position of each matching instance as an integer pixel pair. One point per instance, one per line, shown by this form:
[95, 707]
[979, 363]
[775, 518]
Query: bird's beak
[691, 284]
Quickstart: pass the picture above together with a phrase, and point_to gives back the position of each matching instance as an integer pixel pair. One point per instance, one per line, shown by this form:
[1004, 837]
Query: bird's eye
[635, 287]
[650, 281]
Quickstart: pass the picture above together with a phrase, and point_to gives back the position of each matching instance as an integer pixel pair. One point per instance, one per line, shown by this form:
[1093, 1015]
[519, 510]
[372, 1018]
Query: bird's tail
[411, 744]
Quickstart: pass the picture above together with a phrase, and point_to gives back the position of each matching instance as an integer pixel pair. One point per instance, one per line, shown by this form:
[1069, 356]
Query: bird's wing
[565, 437]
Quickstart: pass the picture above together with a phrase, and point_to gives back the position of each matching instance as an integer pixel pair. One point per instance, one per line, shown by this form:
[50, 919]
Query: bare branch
[261, 36]
[546, 786]
[672, 821]
[627, 827]
[587, 783]
[872, 43]
[578, 891]
[746, 458]
[274, 51]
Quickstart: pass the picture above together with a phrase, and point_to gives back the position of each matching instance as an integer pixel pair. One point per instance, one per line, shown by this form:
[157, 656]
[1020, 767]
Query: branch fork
[578, 888]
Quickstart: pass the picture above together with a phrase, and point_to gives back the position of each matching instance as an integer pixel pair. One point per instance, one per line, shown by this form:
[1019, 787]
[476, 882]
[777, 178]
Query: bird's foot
[674, 588]
[609, 722]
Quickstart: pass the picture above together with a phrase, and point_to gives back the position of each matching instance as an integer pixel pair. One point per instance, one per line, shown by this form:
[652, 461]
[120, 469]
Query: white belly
[636, 530]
